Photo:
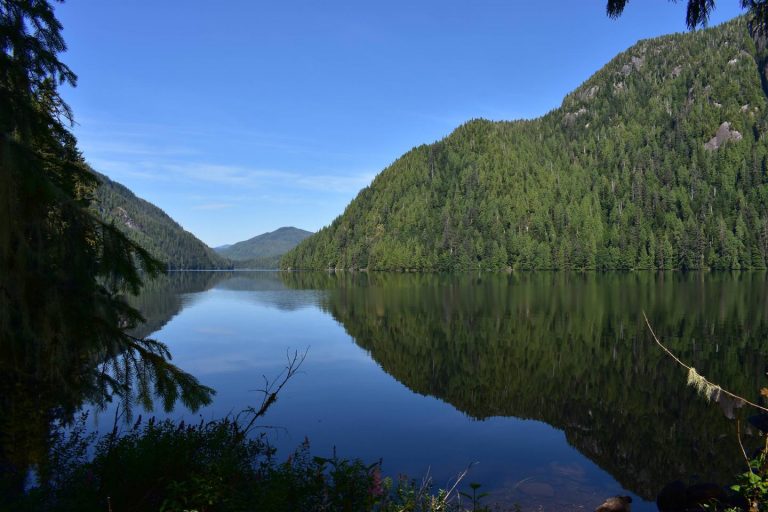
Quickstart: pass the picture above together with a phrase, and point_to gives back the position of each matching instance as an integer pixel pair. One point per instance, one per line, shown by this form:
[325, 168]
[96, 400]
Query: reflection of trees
[271, 291]
[572, 350]
[161, 298]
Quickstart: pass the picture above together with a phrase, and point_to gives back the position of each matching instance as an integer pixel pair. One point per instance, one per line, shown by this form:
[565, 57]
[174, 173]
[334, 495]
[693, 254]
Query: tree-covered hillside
[153, 229]
[657, 161]
[265, 250]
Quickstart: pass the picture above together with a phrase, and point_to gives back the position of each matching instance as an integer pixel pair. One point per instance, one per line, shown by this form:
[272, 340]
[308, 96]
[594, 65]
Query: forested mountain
[265, 250]
[153, 229]
[656, 161]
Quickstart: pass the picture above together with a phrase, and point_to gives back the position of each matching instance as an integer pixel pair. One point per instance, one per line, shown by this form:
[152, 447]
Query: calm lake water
[550, 382]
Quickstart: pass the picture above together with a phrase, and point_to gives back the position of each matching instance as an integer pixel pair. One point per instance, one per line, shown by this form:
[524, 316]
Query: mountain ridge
[620, 176]
[264, 250]
[152, 228]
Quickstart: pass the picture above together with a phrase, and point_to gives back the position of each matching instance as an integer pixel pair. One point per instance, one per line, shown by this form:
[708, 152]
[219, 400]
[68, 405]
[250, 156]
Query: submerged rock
[539, 489]
[616, 504]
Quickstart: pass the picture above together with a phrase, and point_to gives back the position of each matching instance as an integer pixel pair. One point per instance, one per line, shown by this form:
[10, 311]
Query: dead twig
[743, 451]
[272, 388]
[459, 479]
[696, 379]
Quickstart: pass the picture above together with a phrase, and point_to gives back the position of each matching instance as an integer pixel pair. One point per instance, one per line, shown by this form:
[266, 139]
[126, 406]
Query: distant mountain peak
[264, 250]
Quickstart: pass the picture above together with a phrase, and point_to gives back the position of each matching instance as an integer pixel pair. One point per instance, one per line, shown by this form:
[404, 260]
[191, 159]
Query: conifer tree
[64, 322]
[698, 12]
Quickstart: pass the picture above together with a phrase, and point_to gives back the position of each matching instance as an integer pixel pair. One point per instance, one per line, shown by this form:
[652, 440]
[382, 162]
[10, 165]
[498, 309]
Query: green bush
[215, 466]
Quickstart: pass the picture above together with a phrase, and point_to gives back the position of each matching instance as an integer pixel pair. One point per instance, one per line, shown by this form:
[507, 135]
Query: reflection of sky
[225, 331]
[230, 339]
[263, 288]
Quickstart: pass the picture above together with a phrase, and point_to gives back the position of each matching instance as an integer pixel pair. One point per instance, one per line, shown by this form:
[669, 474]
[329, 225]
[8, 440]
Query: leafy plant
[753, 483]
[213, 467]
[475, 497]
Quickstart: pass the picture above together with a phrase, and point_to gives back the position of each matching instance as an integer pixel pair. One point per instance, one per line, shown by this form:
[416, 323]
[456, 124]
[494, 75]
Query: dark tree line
[64, 273]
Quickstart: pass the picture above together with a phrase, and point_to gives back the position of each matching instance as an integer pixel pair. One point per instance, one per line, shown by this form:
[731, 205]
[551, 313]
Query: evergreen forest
[64, 271]
[658, 161]
[265, 250]
[151, 228]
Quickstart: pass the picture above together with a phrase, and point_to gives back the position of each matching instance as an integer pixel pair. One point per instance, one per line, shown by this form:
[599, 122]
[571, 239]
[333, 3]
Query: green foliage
[150, 227]
[753, 484]
[64, 273]
[158, 466]
[618, 177]
[265, 250]
[215, 466]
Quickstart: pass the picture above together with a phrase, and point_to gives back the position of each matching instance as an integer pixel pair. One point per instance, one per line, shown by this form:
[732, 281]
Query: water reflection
[166, 295]
[163, 297]
[570, 350]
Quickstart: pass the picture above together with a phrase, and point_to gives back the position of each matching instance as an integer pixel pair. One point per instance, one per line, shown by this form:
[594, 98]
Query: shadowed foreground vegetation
[217, 466]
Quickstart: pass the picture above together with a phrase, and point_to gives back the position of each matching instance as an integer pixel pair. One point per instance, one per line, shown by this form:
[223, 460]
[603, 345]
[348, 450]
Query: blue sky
[239, 117]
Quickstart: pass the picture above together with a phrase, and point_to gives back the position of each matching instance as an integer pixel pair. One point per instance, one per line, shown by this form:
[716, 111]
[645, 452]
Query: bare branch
[459, 479]
[273, 388]
[701, 382]
[743, 451]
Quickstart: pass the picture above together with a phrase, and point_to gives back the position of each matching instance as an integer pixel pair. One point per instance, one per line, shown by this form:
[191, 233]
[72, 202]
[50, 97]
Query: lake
[549, 382]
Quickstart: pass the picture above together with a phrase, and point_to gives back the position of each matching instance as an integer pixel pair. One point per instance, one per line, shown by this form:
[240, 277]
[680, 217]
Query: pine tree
[698, 11]
[63, 273]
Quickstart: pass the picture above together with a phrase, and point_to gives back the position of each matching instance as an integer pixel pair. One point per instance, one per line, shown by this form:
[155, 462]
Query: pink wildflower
[376, 487]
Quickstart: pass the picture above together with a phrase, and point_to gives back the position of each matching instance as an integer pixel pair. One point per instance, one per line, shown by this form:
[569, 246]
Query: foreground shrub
[215, 466]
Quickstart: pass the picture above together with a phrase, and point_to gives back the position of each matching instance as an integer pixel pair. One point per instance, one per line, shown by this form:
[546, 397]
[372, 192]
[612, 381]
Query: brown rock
[616, 504]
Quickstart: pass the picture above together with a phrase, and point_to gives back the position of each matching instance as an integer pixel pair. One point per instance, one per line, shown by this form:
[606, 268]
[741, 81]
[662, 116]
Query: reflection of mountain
[164, 297]
[572, 350]
[161, 298]
[267, 289]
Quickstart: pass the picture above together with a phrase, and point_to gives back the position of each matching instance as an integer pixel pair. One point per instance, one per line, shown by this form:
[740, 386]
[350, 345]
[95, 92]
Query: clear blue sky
[240, 117]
